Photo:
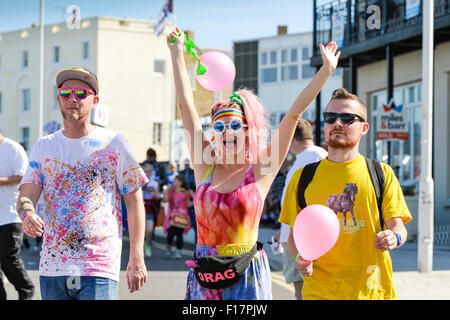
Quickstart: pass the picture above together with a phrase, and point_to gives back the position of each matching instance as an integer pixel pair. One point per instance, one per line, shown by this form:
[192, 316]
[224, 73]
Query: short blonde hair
[343, 94]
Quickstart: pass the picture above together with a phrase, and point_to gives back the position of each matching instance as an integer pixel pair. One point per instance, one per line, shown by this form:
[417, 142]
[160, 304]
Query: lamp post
[426, 184]
[41, 69]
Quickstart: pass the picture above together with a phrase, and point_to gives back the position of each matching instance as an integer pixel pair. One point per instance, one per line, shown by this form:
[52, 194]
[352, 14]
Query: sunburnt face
[74, 109]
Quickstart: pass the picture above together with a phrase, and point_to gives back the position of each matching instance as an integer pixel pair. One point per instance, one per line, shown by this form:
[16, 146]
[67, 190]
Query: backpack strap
[305, 179]
[377, 176]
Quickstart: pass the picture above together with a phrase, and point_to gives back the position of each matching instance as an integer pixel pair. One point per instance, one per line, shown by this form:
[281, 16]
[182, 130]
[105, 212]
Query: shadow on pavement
[159, 261]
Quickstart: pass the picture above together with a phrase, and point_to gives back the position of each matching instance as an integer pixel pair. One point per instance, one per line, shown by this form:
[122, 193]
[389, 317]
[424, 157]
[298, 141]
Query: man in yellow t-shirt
[359, 265]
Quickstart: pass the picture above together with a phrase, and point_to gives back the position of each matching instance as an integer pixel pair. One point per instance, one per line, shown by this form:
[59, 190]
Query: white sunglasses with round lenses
[220, 126]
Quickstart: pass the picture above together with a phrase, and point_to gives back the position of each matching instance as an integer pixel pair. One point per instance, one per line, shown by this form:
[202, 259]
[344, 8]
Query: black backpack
[375, 171]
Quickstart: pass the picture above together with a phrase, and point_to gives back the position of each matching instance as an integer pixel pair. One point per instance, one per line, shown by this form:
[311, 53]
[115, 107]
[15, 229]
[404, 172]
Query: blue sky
[216, 23]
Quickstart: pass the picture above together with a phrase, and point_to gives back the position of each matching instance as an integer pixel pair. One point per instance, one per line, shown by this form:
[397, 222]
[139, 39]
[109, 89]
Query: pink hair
[256, 118]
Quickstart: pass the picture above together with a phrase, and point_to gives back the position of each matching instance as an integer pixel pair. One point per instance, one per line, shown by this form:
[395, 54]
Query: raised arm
[278, 149]
[191, 122]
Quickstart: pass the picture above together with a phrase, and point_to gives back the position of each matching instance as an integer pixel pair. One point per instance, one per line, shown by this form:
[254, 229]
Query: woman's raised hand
[178, 43]
[330, 55]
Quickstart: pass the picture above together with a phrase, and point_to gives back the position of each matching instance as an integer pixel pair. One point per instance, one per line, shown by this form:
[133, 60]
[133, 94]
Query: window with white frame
[289, 66]
[24, 58]
[26, 100]
[269, 75]
[263, 58]
[404, 156]
[294, 55]
[269, 68]
[159, 66]
[284, 56]
[307, 70]
[85, 50]
[55, 98]
[273, 57]
[56, 52]
[25, 134]
[157, 133]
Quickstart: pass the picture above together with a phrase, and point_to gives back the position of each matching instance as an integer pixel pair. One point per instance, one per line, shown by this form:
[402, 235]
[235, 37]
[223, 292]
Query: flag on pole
[162, 19]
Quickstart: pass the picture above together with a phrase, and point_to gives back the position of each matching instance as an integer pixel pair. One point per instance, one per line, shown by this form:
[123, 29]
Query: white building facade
[284, 71]
[132, 65]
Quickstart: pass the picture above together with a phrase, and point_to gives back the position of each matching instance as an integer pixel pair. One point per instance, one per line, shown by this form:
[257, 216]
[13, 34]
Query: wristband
[399, 238]
[26, 214]
[296, 258]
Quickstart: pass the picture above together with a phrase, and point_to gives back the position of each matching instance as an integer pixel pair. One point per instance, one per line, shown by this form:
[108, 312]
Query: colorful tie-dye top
[82, 181]
[228, 218]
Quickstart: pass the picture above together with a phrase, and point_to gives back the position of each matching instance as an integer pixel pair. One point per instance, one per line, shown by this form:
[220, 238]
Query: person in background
[152, 204]
[272, 207]
[13, 163]
[159, 173]
[173, 172]
[188, 173]
[179, 199]
[302, 146]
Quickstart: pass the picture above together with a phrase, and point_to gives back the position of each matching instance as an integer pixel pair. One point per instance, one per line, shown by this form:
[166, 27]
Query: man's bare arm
[10, 181]
[386, 240]
[28, 197]
[136, 269]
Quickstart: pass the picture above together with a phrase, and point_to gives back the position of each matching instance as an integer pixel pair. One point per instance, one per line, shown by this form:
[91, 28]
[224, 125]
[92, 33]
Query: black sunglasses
[346, 118]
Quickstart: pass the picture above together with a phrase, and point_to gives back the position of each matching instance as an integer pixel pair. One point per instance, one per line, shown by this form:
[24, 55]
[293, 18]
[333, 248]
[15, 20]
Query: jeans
[11, 264]
[78, 288]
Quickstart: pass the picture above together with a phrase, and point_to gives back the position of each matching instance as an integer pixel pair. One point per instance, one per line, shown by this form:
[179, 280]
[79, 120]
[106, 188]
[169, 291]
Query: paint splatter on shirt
[82, 181]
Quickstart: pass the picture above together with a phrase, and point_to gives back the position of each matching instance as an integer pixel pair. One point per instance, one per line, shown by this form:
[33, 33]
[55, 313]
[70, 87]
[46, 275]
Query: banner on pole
[100, 115]
[337, 33]
[412, 8]
[392, 122]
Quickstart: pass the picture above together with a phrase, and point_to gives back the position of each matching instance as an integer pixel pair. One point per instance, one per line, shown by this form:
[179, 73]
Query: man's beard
[339, 143]
[73, 115]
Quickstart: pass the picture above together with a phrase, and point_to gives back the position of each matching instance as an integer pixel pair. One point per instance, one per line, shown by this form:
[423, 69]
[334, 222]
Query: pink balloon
[220, 71]
[316, 230]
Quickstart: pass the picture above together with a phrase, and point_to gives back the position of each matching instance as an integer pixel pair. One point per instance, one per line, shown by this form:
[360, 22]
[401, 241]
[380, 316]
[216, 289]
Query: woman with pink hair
[233, 179]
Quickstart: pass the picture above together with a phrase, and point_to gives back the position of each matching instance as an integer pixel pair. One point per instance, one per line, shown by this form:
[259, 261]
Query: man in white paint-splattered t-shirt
[82, 171]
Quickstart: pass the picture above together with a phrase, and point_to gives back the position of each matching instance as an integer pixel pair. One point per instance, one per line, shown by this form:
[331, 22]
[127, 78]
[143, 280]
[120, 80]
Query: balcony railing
[360, 24]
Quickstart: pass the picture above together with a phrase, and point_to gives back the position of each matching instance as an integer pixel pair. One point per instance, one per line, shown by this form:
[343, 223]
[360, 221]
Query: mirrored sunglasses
[80, 93]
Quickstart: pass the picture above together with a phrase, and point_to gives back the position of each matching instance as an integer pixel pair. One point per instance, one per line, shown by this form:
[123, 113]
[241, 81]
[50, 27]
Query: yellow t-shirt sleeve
[394, 204]
[290, 207]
